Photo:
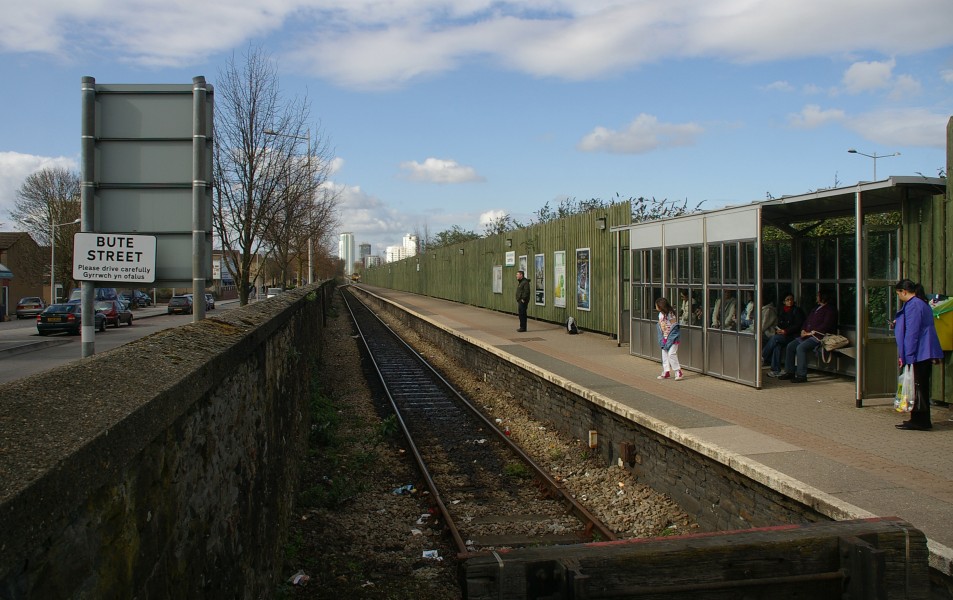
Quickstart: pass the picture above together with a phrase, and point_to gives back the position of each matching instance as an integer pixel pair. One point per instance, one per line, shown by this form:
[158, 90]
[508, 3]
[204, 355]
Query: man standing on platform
[522, 298]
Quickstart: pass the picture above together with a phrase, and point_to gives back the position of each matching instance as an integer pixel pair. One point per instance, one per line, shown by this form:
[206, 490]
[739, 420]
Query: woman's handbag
[829, 343]
[904, 400]
[832, 341]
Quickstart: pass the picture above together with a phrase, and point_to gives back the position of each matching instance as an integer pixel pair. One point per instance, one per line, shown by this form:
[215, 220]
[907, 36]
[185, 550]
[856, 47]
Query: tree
[644, 209]
[501, 224]
[45, 201]
[307, 210]
[568, 207]
[260, 180]
[449, 237]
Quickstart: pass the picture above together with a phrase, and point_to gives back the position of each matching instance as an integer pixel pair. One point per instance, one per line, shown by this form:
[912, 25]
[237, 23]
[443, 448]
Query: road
[23, 352]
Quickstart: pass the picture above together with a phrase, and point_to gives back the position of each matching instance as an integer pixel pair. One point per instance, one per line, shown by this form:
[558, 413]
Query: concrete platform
[808, 438]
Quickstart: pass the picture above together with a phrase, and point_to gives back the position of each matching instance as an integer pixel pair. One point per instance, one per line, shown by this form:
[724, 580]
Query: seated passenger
[789, 321]
[747, 316]
[769, 320]
[730, 312]
[821, 320]
[716, 314]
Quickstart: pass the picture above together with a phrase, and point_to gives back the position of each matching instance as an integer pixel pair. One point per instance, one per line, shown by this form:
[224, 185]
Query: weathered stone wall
[164, 468]
[717, 495]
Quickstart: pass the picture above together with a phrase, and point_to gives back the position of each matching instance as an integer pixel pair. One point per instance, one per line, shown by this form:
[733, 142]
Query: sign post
[146, 169]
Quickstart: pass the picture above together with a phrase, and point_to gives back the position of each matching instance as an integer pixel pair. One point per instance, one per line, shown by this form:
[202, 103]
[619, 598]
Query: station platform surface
[808, 439]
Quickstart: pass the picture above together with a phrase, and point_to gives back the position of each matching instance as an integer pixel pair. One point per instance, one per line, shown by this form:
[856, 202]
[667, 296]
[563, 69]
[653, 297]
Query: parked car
[30, 306]
[142, 299]
[180, 305]
[57, 318]
[116, 312]
[76, 296]
[272, 292]
[209, 304]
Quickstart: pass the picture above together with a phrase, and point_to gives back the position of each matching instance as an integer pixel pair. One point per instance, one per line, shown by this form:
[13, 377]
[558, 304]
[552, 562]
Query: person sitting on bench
[821, 320]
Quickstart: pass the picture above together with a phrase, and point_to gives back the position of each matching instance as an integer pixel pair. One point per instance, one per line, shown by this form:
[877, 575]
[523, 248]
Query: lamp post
[310, 196]
[874, 156]
[53, 257]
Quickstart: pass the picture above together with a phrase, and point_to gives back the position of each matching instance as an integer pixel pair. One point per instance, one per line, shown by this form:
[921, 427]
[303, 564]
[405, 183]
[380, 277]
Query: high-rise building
[395, 253]
[410, 245]
[346, 252]
[372, 261]
[365, 251]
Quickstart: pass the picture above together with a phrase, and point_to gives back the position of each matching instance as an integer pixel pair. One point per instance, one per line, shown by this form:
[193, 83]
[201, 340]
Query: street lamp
[310, 198]
[53, 257]
[874, 156]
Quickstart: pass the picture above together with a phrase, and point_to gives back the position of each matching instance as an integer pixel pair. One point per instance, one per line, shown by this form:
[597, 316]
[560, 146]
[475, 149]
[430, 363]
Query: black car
[65, 317]
[180, 305]
[142, 299]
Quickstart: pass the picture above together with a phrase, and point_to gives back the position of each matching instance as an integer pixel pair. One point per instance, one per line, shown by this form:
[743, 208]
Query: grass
[516, 470]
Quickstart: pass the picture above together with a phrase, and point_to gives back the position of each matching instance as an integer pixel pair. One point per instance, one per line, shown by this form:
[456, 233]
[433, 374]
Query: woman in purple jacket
[917, 345]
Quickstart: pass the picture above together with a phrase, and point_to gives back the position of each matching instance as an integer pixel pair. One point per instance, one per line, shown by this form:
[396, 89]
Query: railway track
[490, 494]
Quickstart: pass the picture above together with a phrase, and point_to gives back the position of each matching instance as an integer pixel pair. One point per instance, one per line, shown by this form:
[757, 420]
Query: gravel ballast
[360, 534]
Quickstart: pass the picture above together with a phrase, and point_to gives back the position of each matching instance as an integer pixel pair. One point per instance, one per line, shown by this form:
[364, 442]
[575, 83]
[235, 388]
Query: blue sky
[445, 113]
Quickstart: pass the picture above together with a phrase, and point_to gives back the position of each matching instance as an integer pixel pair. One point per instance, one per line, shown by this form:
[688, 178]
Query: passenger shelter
[720, 268]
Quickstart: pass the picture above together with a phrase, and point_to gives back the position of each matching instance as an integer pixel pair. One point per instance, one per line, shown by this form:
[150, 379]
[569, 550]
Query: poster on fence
[539, 278]
[497, 279]
[559, 279]
[583, 283]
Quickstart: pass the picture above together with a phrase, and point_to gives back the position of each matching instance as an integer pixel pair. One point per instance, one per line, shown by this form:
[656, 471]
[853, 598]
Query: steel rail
[592, 524]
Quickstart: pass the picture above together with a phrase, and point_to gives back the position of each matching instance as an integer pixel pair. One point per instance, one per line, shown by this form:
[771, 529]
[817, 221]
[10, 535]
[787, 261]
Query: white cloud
[369, 43]
[947, 75]
[14, 169]
[437, 170]
[812, 116]
[642, 135]
[873, 76]
[902, 127]
[905, 86]
[779, 86]
[868, 76]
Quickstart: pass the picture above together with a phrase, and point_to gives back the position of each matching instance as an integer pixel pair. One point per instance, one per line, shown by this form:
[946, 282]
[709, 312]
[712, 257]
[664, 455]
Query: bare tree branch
[259, 180]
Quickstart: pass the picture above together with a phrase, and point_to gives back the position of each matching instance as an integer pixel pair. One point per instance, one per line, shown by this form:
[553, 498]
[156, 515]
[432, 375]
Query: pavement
[808, 441]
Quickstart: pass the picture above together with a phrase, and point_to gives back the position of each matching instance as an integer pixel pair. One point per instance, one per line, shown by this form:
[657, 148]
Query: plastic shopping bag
[904, 400]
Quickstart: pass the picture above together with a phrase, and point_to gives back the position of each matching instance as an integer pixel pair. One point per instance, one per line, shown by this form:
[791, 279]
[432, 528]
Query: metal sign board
[114, 257]
[148, 171]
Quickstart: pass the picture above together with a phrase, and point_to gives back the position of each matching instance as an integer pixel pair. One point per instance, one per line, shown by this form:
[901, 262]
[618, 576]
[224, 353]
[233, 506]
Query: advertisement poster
[583, 284]
[559, 279]
[497, 279]
[523, 266]
[539, 278]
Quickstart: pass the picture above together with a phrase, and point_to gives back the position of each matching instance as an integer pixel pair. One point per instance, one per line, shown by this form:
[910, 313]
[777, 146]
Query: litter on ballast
[299, 578]
[405, 489]
[434, 554]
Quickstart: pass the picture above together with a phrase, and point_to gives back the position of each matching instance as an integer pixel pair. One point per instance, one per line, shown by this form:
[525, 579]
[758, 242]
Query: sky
[444, 113]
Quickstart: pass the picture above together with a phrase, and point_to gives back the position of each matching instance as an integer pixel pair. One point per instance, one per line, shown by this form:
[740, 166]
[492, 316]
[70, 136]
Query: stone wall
[715, 493]
[163, 468]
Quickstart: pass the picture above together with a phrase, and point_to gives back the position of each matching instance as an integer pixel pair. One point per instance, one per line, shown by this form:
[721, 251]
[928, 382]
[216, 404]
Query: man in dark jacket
[522, 298]
[821, 320]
